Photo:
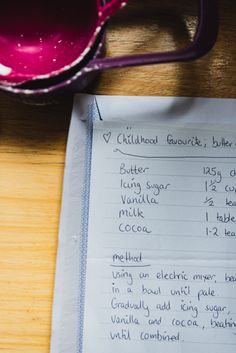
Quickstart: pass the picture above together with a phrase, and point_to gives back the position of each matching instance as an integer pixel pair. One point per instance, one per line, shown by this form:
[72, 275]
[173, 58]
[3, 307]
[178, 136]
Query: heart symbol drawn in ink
[107, 137]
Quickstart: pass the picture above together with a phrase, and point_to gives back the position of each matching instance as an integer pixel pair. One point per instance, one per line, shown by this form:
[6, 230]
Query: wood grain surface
[32, 153]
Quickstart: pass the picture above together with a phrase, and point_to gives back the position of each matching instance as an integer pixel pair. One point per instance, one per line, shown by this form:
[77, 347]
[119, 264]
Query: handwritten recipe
[161, 252]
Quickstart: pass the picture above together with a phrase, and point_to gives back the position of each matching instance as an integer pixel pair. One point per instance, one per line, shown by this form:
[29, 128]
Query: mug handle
[204, 40]
[106, 8]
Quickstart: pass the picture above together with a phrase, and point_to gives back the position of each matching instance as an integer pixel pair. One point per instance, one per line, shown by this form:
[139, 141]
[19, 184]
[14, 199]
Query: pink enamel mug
[45, 38]
[60, 56]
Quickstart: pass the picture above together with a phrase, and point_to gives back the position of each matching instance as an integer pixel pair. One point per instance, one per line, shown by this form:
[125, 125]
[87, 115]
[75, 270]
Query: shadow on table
[176, 25]
[176, 21]
[33, 127]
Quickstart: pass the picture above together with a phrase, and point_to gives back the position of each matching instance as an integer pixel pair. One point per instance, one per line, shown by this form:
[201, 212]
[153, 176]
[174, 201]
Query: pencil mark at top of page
[171, 157]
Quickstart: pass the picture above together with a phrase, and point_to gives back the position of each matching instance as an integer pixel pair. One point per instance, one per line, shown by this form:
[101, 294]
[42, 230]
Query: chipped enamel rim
[104, 13]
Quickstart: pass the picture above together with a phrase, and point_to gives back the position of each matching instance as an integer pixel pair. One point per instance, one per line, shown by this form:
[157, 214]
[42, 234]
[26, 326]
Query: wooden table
[32, 154]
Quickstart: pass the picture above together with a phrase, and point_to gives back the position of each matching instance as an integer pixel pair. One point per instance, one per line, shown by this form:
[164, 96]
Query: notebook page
[161, 268]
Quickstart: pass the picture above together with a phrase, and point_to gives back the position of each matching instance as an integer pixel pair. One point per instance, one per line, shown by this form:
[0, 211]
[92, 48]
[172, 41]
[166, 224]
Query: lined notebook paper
[147, 257]
[160, 266]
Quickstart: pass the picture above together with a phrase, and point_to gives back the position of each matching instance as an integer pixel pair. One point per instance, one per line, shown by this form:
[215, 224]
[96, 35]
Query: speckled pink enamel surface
[44, 38]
